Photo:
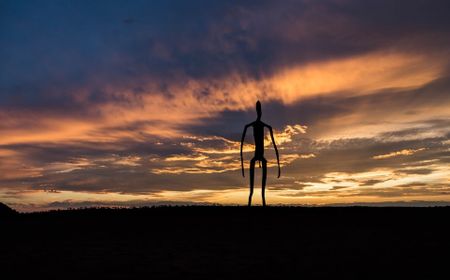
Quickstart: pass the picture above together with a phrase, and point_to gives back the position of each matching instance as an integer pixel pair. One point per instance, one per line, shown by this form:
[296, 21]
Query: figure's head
[258, 109]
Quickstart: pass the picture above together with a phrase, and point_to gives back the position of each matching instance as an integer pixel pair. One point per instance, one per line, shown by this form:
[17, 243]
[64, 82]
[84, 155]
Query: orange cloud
[405, 152]
[164, 116]
[359, 74]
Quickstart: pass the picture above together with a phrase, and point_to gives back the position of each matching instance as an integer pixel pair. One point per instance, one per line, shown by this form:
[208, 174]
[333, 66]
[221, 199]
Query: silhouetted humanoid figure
[258, 134]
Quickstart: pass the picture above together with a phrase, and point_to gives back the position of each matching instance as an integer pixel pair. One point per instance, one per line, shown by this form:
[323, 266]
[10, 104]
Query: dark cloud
[420, 171]
[50, 50]
[414, 184]
[339, 187]
[371, 182]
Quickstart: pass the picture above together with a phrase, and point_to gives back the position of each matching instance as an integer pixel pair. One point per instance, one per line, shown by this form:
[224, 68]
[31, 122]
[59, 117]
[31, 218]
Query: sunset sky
[132, 103]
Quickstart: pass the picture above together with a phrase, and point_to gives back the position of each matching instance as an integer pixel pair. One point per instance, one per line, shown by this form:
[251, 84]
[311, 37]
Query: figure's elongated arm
[276, 150]
[242, 145]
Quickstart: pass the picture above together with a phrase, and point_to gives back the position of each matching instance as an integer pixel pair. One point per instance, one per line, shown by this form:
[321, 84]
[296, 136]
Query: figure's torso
[258, 135]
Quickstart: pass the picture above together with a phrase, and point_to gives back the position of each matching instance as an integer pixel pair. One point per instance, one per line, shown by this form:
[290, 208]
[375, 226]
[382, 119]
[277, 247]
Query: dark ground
[205, 242]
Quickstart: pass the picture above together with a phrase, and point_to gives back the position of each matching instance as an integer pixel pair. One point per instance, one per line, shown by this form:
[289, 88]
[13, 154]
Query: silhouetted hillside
[5, 211]
[205, 242]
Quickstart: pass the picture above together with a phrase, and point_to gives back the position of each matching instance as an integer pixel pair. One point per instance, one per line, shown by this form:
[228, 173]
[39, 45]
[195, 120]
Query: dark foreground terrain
[205, 242]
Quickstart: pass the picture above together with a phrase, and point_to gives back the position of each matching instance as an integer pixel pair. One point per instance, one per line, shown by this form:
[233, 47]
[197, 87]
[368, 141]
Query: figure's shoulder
[266, 125]
[250, 124]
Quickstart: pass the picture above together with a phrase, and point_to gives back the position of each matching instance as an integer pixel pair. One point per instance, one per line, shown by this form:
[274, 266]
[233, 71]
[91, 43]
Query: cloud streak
[405, 152]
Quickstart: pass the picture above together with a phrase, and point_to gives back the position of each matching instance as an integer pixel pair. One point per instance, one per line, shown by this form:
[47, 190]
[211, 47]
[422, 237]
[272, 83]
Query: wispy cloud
[404, 152]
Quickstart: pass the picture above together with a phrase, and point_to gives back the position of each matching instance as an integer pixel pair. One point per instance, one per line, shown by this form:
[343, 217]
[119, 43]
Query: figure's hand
[279, 172]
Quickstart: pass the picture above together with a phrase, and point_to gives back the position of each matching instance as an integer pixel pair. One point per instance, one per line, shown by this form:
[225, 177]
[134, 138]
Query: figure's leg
[252, 179]
[264, 177]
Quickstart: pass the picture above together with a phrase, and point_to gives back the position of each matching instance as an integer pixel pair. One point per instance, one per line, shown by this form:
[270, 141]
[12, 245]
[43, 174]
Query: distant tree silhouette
[258, 134]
